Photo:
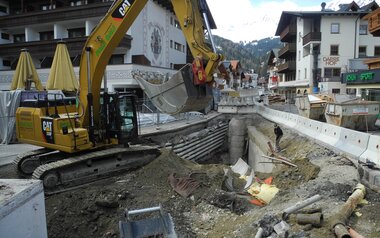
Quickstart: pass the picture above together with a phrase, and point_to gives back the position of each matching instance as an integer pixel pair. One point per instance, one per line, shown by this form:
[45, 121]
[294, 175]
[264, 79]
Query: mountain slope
[251, 54]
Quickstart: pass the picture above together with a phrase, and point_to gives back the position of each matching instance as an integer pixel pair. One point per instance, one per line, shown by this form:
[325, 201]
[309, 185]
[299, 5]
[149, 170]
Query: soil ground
[95, 210]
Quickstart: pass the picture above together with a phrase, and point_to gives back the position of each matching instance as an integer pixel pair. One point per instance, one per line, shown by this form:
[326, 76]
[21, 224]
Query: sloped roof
[348, 7]
[235, 64]
[273, 54]
[370, 7]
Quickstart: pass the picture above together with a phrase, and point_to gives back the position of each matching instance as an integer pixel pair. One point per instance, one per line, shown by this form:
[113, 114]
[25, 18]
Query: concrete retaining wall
[258, 147]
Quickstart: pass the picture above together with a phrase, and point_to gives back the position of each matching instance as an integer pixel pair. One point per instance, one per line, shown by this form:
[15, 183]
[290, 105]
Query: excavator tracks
[77, 170]
[26, 163]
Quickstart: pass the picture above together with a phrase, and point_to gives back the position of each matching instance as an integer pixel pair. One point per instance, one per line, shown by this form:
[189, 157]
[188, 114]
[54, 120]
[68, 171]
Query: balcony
[289, 49]
[312, 36]
[40, 49]
[55, 15]
[287, 67]
[288, 33]
[374, 22]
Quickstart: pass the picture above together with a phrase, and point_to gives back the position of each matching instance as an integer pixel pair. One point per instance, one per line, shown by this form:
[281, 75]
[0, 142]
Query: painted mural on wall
[156, 44]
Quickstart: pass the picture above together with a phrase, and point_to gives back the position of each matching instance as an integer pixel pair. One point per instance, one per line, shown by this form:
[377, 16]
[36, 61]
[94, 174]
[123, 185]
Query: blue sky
[247, 20]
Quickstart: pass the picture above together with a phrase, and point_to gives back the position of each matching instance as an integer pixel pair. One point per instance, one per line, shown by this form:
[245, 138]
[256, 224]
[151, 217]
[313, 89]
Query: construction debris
[339, 220]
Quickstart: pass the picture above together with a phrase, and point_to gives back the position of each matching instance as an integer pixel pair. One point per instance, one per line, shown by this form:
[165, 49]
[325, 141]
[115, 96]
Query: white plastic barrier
[282, 117]
[354, 143]
[309, 127]
[330, 135]
[292, 120]
[373, 150]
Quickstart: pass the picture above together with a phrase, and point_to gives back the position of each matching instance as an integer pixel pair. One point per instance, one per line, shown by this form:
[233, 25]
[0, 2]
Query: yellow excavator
[85, 142]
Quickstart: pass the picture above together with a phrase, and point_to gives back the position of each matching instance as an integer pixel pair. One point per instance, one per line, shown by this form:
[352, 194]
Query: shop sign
[360, 77]
[330, 61]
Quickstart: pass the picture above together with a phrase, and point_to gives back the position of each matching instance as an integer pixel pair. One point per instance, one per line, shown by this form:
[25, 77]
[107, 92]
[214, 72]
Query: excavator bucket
[178, 94]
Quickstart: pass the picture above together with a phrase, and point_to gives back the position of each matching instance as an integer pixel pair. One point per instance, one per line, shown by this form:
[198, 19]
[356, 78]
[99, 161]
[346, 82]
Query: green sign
[367, 76]
[351, 77]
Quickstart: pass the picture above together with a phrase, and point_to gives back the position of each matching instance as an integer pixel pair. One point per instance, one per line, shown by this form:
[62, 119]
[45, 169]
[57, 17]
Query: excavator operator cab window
[129, 127]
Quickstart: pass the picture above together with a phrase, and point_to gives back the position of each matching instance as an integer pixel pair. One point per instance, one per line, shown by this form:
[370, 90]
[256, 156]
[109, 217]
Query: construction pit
[212, 209]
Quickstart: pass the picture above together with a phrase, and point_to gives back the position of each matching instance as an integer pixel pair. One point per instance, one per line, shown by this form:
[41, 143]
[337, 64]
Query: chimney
[323, 5]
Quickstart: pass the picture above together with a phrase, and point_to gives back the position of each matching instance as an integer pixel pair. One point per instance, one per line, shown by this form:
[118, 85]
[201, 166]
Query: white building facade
[318, 47]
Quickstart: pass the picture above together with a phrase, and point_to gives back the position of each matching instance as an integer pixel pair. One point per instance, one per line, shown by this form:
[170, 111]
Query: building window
[4, 36]
[334, 49]
[305, 73]
[116, 59]
[3, 9]
[7, 63]
[377, 51]
[363, 29]
[77, 3]
[76, 32]
[176, 24]
[362, 51]
[177, 46]
[332, 72]
[171, 44]
[47, 35]
[336, 90]
[335, 28]
[46, 7]
[19, 38]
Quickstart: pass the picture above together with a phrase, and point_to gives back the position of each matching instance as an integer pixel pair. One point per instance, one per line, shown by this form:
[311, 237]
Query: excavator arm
[185, 91]
[97, 51]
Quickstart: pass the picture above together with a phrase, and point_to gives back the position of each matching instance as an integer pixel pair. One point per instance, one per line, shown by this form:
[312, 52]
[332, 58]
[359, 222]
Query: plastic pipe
[301, 205]
[259, 233]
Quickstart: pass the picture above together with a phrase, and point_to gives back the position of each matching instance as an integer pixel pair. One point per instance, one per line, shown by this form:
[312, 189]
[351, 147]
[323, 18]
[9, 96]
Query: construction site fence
[357, 145]
[149, 115]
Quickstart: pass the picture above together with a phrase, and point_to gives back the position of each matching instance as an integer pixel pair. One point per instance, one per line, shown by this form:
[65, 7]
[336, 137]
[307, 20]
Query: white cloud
[241, 21]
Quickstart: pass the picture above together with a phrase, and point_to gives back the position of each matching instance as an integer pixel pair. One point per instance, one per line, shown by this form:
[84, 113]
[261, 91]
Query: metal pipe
[144, 210]
[300, 205]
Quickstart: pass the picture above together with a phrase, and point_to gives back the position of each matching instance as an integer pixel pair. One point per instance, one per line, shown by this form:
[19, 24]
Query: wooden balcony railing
[312, 36]
[288, 32]
[374, 22]
[47, 48]
[288, 49]
[286, 67]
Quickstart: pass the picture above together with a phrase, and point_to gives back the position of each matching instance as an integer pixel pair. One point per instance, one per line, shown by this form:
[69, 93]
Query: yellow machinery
[86, 143]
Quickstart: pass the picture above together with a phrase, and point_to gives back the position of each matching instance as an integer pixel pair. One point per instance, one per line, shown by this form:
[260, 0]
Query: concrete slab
[9, 152]
[22, 208]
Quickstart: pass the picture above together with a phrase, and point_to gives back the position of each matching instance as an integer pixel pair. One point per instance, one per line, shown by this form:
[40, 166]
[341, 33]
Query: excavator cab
[119, 117]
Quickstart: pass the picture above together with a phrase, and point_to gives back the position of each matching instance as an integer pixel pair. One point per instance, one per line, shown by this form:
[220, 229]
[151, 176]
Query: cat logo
[122, 10]
[47, 130]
